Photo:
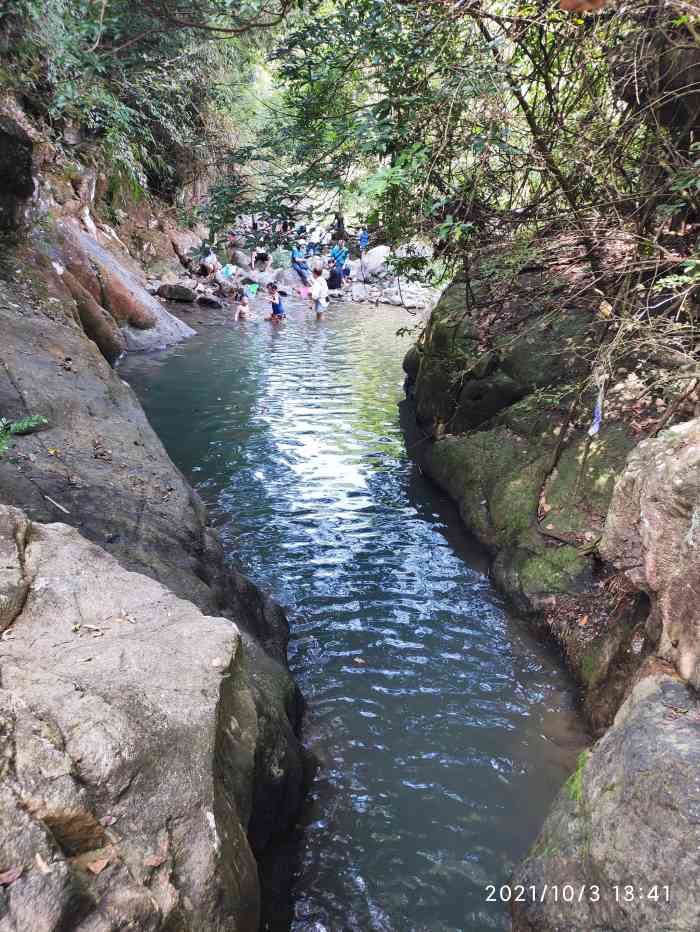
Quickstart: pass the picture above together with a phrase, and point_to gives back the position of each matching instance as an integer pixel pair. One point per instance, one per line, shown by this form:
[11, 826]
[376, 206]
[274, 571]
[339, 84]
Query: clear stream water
[443, 727]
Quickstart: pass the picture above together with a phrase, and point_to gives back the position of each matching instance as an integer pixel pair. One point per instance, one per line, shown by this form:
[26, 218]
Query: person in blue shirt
[363, 240]
[277, 306]
[299, 263]
[339, 254]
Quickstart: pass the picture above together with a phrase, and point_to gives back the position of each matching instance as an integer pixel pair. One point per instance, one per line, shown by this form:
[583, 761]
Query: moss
[574, 785]
[553, 570]
[590, 665]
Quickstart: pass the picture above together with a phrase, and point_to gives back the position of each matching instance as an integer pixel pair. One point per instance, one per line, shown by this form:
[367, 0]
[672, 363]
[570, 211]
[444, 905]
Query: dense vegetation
[460, 124]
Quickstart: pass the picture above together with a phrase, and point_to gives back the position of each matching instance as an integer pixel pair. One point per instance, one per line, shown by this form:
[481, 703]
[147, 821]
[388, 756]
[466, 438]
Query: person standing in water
[319, 293]
[277, 307]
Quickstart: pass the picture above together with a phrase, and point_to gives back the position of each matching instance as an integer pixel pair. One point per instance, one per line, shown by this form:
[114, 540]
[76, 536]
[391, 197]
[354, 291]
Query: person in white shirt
[319, 293]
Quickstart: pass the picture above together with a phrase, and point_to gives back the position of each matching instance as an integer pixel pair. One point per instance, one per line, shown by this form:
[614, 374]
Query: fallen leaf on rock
[154, 860]
[108, 820]
[53, 451]
[96, 867]
[584, 620]
[9, 876]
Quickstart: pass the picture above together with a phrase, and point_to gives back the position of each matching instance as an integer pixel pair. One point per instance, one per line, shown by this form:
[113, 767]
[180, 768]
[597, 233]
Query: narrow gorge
[349, 466]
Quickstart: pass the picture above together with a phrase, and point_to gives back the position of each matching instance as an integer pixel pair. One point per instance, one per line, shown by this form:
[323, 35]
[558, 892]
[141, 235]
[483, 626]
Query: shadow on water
[444, 729]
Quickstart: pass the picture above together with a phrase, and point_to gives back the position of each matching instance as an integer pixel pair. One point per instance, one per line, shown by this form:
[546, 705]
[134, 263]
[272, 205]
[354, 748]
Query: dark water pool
[443, 727]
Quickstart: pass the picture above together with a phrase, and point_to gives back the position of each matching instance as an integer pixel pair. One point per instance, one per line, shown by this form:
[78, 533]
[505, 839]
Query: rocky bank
[593, 536]
[148, 722]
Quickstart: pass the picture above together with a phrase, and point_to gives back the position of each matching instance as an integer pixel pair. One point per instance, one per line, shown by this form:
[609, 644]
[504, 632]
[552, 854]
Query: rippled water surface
[444, 729]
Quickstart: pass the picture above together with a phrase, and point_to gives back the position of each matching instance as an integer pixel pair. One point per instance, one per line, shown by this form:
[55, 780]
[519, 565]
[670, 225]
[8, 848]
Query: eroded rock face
[99, 467]
[144, 323]
[652, 536]
[16, 181]
[629, 817]
[129, 733]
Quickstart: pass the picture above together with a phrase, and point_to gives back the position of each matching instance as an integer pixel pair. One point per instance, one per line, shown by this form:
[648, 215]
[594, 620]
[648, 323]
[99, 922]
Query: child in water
[277, 307]
[319, 293]
[241, 308]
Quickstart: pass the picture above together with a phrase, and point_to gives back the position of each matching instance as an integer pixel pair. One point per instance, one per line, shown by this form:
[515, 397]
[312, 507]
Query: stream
[443, 727]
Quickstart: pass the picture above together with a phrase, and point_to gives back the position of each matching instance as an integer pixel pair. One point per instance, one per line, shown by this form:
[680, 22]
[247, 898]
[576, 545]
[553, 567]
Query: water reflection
[443, 727]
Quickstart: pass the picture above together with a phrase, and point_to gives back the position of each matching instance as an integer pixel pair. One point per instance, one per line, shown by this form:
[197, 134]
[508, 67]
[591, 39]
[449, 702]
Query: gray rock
[111, 478]
[630, 817]
[652, 534]
[208, 300]
[177, 293]
[133, 730]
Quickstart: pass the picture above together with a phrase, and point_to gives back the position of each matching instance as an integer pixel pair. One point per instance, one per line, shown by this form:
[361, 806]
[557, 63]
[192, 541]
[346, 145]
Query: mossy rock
[482, 398]
[579, 489]
[548, 351]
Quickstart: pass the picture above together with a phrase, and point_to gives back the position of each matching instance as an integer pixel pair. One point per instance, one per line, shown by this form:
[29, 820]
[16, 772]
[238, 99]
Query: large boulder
[177, 292]
[132, 730]
[652, 533]
[620, 850]
[110, 279]
[97, 323]
[373, 265]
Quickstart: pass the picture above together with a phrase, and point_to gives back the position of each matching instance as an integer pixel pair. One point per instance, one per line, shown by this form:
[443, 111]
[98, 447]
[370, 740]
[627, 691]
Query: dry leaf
[9, 876]
[549, 527]
[107, 820]
[584, 620]
[154, 860]
[96, 867]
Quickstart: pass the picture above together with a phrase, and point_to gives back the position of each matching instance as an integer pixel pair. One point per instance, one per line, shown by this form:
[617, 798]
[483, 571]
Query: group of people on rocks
[319, 272]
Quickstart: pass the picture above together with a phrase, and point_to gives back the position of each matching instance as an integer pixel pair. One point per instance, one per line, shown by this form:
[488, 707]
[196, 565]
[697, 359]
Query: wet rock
[630, 803]
[652, 533]
[177, 292]
[208, 300]
[16, 181]
[123, 699]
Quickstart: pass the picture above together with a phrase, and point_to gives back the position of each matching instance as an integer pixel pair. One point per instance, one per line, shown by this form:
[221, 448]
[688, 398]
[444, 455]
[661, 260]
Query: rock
[14, 582]
[208, 300]
[361, 293]
[145, 323]
[652, 533]
[287, 278]
[373, 265]
[127, 706]
[16, 181]
[185, 244]
[177, 293]
[630, 803]
[533, 502]
[99, 325]
[112, 479]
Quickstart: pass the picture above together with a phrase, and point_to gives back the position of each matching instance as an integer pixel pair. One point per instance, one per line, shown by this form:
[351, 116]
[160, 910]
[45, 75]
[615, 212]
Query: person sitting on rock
[209, 264]
[299, 263]
[260, 254]
[277, 307]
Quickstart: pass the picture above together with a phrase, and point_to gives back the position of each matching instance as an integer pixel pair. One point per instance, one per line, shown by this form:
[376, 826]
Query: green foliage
[26, 425]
